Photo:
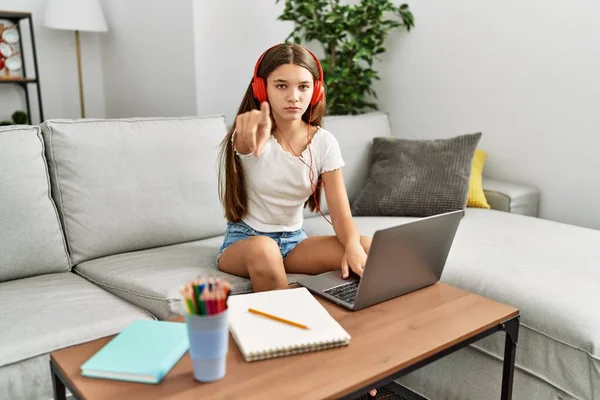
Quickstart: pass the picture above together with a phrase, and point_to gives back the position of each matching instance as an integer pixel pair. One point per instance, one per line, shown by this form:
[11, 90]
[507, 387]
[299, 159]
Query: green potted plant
[18, 118]
[351, 36]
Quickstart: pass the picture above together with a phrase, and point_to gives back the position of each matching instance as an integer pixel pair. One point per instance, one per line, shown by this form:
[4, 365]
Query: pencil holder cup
[209, 341]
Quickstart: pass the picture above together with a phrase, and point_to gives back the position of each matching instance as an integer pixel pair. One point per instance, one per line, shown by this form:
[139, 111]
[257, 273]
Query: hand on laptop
[354, 258]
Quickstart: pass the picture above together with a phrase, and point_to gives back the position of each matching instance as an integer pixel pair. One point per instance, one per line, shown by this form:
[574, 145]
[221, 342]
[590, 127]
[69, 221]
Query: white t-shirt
[278, 183]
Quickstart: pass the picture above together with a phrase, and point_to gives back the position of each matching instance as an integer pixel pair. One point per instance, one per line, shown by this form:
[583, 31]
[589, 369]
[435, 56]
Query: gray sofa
[101, 221]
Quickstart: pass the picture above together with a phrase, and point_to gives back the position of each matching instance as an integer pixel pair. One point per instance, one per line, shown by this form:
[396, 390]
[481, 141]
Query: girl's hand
[253, 129]
[354, 258]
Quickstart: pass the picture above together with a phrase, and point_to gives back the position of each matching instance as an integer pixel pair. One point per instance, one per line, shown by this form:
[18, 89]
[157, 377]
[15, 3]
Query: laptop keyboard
[345, 292]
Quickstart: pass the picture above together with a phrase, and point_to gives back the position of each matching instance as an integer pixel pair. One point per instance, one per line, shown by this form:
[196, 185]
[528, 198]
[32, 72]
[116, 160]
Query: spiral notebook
[260, 338]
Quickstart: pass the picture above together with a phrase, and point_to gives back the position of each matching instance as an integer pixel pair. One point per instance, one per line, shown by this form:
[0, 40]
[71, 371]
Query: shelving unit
[17, 18]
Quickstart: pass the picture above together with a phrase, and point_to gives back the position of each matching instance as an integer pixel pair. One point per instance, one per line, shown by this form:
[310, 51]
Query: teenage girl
[274, 161]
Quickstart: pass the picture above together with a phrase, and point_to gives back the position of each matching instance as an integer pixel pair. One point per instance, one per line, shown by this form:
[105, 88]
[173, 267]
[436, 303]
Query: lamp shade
[75, 15]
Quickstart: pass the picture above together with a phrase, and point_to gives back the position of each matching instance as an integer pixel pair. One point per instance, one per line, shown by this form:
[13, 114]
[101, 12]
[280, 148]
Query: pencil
[204, 310]
[190, 296]
[273, 317]
[222, 302]
[217, 302]
[190, 305]
[186, 302]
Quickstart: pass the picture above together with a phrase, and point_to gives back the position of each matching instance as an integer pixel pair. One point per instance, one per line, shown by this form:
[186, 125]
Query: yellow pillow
[476, 197]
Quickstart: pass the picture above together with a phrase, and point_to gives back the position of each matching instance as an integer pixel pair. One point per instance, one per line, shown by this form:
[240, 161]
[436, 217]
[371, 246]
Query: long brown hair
[232, 186]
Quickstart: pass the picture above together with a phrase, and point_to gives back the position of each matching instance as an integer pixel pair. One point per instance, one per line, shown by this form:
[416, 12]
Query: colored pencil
[206, 296]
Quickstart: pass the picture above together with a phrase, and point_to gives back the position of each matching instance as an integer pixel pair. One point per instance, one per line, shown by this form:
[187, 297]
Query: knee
[365, 242]
[265, 258]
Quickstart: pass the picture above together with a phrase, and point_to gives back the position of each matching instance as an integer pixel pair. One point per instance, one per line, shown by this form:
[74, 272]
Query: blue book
[144, 352]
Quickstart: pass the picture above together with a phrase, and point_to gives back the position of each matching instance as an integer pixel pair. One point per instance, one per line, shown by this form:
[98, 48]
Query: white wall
[58, 70]
[149, 58]
[525, 73]
[227, 46]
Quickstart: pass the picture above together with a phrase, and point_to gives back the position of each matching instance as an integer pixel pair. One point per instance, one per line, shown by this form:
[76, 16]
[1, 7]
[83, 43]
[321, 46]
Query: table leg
[60, 392]
[510, 348]
[511, 327]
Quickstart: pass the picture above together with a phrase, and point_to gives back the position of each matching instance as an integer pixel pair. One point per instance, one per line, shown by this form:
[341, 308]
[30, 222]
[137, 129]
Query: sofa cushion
[43, 313]
[31, 239]
[16, 379]
[355, 134]
[366, 225]
[152, 278]
[130, 184]
[417, 178]
[546, 269]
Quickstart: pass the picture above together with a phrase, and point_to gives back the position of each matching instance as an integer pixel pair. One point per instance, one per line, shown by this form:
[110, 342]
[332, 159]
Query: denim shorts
[237, 231]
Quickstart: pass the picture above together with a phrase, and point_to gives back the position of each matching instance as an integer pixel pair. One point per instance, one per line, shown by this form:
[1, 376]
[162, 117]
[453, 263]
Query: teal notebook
[144, 352]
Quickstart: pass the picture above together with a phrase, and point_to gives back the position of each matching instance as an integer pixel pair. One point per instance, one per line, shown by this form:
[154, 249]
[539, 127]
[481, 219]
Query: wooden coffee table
[389, 340]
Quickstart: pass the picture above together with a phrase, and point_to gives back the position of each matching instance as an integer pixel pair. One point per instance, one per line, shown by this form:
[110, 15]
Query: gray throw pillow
[417, 178]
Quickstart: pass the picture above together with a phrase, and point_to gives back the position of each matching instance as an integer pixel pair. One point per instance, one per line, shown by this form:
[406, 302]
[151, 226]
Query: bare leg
[318, 254]
[257, 258]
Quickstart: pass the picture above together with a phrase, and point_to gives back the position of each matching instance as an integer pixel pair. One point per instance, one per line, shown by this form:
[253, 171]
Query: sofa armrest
[511, 197]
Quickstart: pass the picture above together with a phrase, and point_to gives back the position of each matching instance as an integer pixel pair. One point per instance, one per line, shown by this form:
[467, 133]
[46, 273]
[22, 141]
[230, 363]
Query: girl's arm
[345, 229]
[339, 208]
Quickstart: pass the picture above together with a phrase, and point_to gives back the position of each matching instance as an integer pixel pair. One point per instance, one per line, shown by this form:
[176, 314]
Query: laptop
[402, 259]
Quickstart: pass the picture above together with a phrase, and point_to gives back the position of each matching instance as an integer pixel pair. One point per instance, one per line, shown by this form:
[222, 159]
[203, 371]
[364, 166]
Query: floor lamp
[76, 15]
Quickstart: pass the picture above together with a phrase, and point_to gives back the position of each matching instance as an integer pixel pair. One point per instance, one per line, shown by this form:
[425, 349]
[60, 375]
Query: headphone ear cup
[259, 90]
[318, 93]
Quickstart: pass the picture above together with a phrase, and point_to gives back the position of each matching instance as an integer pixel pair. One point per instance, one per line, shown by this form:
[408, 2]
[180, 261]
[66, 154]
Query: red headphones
[259, 87]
